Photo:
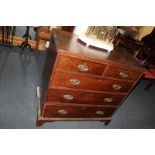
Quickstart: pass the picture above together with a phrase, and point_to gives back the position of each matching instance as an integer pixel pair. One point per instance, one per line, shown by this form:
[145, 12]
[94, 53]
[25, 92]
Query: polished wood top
[69, 43]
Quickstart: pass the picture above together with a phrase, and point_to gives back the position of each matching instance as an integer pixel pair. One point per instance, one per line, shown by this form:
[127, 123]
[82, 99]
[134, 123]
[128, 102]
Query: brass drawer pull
[68, 97]
[100, 112]
[83, 67]
[108, 100]
[62, 111]
[116, 87]
[123, 74]
[74, 81]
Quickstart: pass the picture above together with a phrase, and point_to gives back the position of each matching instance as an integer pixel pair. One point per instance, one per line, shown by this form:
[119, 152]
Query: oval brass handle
[74, 81]
[108, 100]
[123, 74]
[83, 67]
[62, 111]
[100, 112]
[116, 87]
[68, 97]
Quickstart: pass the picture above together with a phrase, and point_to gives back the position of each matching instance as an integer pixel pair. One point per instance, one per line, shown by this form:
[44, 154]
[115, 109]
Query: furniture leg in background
[7, 34]
[42, 33]
[25, 43]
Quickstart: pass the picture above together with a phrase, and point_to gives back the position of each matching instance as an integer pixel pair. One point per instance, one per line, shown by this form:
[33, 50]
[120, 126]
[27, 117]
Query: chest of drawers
[81, 83]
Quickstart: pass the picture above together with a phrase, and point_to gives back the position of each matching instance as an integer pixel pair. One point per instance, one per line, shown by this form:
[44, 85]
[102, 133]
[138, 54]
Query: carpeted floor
[19, 76]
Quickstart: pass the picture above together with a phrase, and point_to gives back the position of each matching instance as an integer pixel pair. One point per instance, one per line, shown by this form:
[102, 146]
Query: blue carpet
[19, 76]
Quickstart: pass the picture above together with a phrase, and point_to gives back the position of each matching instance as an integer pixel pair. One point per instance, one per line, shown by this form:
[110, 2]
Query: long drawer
[61, 111]
[122, 73]
[79, 97]
[87, 82]
[79, 65]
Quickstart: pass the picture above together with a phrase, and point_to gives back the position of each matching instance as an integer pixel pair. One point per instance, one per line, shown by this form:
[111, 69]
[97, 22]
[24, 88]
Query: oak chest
[84, 83]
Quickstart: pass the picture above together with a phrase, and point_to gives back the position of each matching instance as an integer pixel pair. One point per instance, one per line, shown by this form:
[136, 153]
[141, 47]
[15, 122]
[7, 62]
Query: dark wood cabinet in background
[68, 28]
[82, 83]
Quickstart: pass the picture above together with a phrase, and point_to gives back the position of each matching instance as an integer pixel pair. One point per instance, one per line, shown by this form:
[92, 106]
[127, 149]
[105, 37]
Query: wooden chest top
[68, 43]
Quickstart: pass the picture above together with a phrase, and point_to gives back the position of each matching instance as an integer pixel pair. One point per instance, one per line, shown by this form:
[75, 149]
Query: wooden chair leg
[37, 43]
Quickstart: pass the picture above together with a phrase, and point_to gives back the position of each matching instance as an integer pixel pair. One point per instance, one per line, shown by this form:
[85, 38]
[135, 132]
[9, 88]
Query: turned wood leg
[39, 123]
[107, 122]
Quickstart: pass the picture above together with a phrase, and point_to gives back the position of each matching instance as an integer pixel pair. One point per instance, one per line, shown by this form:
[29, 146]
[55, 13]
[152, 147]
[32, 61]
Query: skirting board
[17, 41]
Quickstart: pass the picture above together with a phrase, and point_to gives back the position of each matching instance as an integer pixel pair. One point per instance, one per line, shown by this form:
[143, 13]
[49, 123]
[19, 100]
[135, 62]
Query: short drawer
[79, 65]
[79, 97]
[122, 73]
[59, 111]
[87, 82]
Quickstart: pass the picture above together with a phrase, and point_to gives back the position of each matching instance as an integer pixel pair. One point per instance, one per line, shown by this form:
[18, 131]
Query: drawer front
[122, 73]
[87, 82]
[79, 97]
[59, 111]
[79, 65]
